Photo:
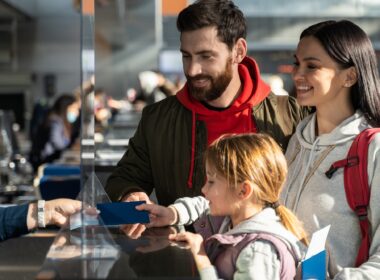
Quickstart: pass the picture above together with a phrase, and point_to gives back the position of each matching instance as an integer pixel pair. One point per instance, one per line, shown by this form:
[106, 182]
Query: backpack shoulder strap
[356, 185]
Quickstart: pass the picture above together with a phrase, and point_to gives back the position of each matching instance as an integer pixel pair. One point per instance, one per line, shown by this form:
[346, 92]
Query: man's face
[207, 63]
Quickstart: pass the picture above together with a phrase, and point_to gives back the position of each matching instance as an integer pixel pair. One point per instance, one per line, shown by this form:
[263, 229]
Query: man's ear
[240, 50]
[351, 77]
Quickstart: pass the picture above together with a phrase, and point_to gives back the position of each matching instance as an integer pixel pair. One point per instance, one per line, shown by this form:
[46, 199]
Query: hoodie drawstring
[297, 155]
[252, 125]
[190, 178]
[307, 175]
[300, 189]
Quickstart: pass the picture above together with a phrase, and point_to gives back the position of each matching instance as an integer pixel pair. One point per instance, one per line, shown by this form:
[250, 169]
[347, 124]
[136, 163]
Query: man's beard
[217, 85]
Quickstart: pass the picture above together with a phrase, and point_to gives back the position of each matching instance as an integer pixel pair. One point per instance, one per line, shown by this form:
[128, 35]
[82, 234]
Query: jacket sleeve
[278, 116]
[133, 172]
[209, 273]
[13, 221]
[190, 209]
[371, 268]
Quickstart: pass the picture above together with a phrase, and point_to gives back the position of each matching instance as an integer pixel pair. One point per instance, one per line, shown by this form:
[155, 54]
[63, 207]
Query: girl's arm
[203, 263]
[183, 212]
[189, 209]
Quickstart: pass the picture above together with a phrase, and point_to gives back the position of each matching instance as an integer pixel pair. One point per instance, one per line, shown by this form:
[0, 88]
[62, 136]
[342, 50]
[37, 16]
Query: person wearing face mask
[55, 133]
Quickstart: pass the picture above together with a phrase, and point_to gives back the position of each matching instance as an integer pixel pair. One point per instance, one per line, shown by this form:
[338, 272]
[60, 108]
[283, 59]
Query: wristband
[41, 213]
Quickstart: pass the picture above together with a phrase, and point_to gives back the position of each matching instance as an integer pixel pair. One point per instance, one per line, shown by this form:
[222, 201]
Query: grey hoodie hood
[346, 131]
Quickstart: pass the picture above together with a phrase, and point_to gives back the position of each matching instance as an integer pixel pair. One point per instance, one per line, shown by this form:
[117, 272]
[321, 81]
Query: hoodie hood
[346, 131]
[237, 118]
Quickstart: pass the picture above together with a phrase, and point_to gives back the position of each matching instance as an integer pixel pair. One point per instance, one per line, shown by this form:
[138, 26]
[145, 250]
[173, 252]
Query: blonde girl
[242, 229]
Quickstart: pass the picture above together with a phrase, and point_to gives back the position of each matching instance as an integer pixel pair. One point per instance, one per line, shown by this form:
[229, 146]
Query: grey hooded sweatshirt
[318, 201]
[259, 259]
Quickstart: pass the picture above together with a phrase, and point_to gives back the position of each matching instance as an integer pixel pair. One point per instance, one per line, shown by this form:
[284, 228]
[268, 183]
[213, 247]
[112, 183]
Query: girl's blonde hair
[256, 158]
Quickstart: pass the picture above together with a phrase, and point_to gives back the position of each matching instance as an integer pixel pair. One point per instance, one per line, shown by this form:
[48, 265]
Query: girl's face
[318, 79]
[222, 200]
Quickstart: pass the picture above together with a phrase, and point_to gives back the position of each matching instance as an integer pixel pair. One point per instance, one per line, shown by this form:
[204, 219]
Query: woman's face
[73, 112]
[318, 79]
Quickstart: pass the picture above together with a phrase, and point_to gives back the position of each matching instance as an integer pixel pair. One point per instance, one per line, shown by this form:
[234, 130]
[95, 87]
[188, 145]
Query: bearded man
[223, 94]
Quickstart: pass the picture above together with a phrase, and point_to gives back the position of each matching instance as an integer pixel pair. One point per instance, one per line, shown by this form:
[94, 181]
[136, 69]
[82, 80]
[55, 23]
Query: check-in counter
[151, 256]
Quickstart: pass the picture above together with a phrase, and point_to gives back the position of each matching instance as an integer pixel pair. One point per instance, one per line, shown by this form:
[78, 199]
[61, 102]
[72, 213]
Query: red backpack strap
[356, 185]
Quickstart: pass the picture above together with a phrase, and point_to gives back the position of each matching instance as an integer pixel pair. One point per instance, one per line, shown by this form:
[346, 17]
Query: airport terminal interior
[109, 59]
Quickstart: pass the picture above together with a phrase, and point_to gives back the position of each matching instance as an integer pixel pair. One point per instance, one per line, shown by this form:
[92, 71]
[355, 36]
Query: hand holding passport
[120, 213]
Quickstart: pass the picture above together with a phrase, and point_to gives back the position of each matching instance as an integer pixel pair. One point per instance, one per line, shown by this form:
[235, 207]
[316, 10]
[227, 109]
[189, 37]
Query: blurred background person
[102, 112]
[276, 84]
[154, 87]
[55, 132]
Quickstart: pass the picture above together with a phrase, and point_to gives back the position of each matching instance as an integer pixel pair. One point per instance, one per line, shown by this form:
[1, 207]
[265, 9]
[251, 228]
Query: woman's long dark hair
[349, 45]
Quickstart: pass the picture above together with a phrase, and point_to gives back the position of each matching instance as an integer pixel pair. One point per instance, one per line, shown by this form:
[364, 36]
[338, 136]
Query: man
[223, 94]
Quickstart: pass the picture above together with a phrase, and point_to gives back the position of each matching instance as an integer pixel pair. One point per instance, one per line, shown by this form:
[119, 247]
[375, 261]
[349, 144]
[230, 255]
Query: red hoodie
[235, 119]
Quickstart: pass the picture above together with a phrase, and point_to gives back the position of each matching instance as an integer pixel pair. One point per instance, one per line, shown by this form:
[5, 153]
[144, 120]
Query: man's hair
[222, 14]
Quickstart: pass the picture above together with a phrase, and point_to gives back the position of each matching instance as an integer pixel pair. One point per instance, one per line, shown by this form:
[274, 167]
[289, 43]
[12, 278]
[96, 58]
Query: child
[243, 232]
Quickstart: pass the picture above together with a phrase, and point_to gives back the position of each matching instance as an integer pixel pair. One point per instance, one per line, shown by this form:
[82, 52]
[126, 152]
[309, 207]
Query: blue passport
[120, 213]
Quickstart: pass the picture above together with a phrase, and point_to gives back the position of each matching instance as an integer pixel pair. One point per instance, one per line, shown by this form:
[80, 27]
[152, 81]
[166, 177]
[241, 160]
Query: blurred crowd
[55, 128]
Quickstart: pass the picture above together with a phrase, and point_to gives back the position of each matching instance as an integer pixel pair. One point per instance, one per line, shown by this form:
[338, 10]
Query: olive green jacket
[158, 156]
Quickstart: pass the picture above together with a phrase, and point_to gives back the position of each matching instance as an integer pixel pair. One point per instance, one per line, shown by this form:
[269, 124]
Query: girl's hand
[195, 242]
[159, 215]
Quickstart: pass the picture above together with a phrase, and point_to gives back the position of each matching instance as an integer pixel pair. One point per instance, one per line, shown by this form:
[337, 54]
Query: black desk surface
[21, 258]
[152, 256]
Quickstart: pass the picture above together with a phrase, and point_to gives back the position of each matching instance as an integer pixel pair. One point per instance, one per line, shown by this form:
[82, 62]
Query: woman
[336, 73]
[55, 133]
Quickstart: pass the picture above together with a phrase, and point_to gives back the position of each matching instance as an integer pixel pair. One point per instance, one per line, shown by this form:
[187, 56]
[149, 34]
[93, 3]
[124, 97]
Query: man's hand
[136, 196]
[159, 215]
[134, 231]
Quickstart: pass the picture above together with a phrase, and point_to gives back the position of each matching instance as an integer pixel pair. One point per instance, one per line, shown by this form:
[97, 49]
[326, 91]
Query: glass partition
[84, 249]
